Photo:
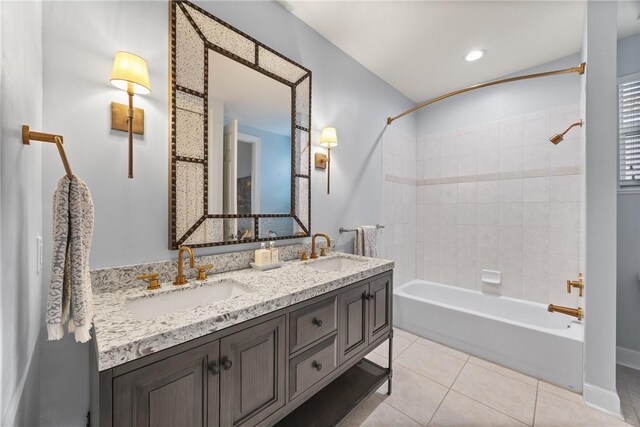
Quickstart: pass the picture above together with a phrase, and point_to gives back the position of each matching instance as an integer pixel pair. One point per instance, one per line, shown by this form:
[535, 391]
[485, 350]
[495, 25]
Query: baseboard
[627, 357]
[602, 399]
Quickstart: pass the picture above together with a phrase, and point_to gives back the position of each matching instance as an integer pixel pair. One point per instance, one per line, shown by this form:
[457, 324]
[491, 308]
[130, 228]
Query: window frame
[634, 187]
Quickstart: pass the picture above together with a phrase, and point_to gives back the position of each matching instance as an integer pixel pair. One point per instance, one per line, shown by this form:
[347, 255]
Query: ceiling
[418, 47]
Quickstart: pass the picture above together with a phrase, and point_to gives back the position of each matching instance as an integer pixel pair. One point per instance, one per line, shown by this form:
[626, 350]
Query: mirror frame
[264, 60]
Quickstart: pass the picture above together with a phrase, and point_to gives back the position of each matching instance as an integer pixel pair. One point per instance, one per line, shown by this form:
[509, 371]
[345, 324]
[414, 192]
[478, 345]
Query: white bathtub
[518, 334]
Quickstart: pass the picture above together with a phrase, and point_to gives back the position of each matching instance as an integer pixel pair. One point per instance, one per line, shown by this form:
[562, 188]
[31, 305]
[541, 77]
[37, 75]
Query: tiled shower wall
[399, 216]
[495, 196]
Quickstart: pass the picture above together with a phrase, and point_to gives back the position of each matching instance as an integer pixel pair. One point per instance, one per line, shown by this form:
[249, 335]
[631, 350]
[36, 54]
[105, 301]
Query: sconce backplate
[119, 120]
[321, 161]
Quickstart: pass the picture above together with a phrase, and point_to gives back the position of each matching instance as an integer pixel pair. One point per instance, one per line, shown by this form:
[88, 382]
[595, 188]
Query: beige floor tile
[413, 394]
[404, 334]
[561, 392]
[460, 411]
[431, 363]
[504, 371]
[443, 348]
[400, 344]
[362, 412]
[497, 391]
[375, 413]
[551, 411]
[376, 358]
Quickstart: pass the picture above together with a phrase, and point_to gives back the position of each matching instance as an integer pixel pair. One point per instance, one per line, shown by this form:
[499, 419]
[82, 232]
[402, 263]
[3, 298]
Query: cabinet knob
[317, 322]
[226, 364]
[214, 368]
[367, 296]
[317, 365]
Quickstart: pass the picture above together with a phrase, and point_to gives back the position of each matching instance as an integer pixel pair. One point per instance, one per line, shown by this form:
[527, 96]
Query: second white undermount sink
[179, 300]
[333, 264]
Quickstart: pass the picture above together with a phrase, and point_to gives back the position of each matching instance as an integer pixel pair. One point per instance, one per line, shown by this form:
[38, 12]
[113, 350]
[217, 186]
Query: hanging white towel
[366, 241]
[70, 296]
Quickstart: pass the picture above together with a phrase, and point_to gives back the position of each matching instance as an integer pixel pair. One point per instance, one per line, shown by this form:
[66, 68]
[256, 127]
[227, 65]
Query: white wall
[20, 210]
[504, 101]
[488, 179]
[500, 196]
[600, 106]
[628, 239]
[399, 218]
[80, 39]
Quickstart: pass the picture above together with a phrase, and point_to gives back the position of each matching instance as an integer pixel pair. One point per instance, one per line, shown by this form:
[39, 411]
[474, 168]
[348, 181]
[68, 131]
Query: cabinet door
[179, 390]
[379, 307]
[252, 381]
[352, 321]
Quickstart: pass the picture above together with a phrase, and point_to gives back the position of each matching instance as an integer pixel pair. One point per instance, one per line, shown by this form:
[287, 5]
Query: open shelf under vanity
[335, 401]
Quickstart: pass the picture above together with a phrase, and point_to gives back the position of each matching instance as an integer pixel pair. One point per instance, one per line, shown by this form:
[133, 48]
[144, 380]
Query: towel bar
[348, 230]
[28, 136]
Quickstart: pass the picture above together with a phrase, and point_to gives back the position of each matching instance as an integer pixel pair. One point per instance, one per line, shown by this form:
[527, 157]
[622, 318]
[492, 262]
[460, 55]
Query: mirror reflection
[249, 146]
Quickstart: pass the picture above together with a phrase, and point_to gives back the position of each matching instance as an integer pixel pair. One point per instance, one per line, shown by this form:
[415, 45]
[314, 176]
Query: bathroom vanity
[285, 347]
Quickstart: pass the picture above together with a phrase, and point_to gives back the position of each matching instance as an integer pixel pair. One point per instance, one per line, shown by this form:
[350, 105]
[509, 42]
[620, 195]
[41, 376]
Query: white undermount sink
[334, 263]
[171, 302]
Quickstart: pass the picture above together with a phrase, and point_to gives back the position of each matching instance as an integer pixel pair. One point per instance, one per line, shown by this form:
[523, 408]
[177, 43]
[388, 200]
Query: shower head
[559, 137]
[556, 139]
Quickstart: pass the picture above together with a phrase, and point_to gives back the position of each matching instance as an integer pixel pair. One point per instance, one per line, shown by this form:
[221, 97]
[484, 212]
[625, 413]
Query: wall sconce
[129, 73]
[328, 139]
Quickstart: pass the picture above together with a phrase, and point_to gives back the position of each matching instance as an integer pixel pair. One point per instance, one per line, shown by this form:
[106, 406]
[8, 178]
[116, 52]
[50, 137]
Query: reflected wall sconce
[328, 139]
[130, 74]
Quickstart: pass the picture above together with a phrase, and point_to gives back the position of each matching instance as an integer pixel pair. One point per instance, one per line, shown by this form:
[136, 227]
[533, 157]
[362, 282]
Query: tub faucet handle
[576, 284]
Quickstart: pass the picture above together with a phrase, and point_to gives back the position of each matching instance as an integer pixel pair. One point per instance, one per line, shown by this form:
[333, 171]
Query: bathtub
[517, 334]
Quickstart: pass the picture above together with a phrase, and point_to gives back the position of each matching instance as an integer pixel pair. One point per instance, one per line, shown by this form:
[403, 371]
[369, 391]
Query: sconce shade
[129, 69]
[329, 137]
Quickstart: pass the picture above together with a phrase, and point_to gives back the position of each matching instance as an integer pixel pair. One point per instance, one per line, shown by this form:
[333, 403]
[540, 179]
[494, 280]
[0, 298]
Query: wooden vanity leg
[390, 363]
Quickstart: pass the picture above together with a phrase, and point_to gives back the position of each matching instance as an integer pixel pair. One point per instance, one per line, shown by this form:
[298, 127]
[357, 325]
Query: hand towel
[366, 241]
[70, 296]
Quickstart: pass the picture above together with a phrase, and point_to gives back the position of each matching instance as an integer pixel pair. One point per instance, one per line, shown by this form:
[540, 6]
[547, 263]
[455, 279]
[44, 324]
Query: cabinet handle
[226, 364]
[370, 297]
[317, 365]
[214, 368]
[365, 295]
[317, 322]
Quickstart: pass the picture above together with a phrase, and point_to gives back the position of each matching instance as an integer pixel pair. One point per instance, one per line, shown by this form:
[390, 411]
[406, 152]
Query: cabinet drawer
[312, 323]
[311, 366]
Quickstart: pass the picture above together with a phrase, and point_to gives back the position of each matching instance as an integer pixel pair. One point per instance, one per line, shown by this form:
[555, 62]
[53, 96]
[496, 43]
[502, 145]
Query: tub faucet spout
[569, 311]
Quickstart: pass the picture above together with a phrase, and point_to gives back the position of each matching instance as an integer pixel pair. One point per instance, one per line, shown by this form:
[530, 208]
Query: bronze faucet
[180, 278]
[323, 251]
[575, 312]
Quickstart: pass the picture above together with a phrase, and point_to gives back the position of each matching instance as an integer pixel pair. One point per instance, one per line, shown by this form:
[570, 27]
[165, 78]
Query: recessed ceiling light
[474, 55]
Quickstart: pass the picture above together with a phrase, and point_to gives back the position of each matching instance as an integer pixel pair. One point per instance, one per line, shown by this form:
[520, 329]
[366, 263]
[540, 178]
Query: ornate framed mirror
[240, 136]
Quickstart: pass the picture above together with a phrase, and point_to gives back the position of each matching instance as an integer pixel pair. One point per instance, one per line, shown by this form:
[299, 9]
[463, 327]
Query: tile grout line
[484, 404]
[535, 404]
[447, 393]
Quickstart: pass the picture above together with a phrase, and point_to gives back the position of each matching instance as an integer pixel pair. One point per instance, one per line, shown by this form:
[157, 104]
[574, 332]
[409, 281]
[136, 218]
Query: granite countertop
[120, 337]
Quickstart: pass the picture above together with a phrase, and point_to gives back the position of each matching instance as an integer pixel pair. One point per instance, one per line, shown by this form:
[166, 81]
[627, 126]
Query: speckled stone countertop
[120, 337]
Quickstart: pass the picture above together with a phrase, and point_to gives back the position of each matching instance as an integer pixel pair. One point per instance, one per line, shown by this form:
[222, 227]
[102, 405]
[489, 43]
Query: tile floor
[436, 385]
[628, 381]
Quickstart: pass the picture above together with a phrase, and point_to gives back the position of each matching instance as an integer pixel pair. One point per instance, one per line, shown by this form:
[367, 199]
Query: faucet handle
[202, 271]
[323, 251]
[303, 255]
[152, 280]
[576, 284]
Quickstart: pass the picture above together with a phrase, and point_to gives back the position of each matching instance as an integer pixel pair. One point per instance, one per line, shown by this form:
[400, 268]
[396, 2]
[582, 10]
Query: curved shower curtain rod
[579, 69]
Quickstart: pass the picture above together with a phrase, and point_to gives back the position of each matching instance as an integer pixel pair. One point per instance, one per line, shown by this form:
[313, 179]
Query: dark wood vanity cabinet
[175, 391]
[365, 315]
[253, 385]
[253, 373]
